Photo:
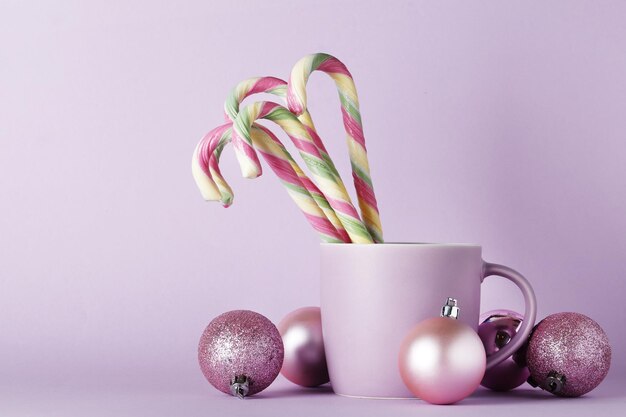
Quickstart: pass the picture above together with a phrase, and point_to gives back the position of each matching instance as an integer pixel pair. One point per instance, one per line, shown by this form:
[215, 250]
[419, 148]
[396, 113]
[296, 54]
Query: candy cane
[209, 149]
[202, 175]
[278, 87]
[297, 102]
[279, 159]
[270, 85]
[330, 184]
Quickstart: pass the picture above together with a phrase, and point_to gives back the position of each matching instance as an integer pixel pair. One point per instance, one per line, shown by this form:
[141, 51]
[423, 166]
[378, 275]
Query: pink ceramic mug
[372, 295]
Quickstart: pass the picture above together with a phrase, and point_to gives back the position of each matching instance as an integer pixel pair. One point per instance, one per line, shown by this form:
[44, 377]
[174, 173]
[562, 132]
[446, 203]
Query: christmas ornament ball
[496, 329]
[305, 359]
[568, 354]
[240, 352]
[442, 360]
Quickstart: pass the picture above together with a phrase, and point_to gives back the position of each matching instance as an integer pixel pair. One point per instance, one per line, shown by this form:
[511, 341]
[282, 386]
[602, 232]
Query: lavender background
[500, 123]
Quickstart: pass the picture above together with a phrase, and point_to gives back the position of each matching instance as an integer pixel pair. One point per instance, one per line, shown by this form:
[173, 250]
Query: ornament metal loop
[239, 386]
[554, 382]
[450, 309]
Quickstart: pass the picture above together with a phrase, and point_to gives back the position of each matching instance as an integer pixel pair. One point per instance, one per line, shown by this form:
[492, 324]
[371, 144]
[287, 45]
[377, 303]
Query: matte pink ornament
[497, 328]
[568, 354]
[442, 360]
[240, 353]
[305, 359]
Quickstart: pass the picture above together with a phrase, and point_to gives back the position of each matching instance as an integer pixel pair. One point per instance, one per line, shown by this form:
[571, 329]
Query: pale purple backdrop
[500, 123]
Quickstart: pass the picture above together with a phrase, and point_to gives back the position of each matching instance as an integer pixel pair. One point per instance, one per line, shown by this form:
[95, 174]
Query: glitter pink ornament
[442, 360]
[240, 353]
[305, 359]
[497, 328]
[568, 354]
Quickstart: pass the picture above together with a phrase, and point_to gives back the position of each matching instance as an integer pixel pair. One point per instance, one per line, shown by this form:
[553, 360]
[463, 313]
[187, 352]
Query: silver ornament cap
[239, 386]
[450, 309]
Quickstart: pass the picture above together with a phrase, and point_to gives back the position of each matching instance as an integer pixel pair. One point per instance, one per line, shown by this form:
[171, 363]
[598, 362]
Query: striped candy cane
[246, 88]
[209, 151]
[249, 162]
[277, 87]
[301, 189]
[297, 102]
[207, 173]
[208, 159]
[270, 85]
[244, 149]
[323, 174]
[281, 162]
[210, 189]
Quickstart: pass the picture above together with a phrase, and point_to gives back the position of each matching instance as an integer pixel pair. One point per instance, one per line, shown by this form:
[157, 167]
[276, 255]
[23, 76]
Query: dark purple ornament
[497, 328]
[240, 353]
[568, 354]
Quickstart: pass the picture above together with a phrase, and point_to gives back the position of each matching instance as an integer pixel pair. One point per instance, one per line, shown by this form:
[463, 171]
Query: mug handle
[530, 314]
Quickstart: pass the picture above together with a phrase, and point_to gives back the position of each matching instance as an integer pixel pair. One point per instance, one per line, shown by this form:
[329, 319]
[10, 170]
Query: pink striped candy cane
[297, 102]
[277, 87]
[330, 184]
[279, 159]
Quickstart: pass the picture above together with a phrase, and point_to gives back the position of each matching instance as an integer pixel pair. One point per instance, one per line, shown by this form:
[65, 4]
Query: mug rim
[417, 244]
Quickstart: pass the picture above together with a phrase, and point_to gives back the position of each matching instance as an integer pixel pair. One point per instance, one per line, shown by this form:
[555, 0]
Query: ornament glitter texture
[496, 329]
[568, 354]
[240, 353]
[305, 359]
[442, 360]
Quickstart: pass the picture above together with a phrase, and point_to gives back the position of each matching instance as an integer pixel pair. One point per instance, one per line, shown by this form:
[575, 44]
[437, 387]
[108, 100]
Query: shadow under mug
[372, 295]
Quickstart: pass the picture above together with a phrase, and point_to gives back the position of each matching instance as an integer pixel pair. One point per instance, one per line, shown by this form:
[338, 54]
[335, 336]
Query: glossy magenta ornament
[496, 329]
[305, 359]
[441, 359]
[568, 354]
[240, 353]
